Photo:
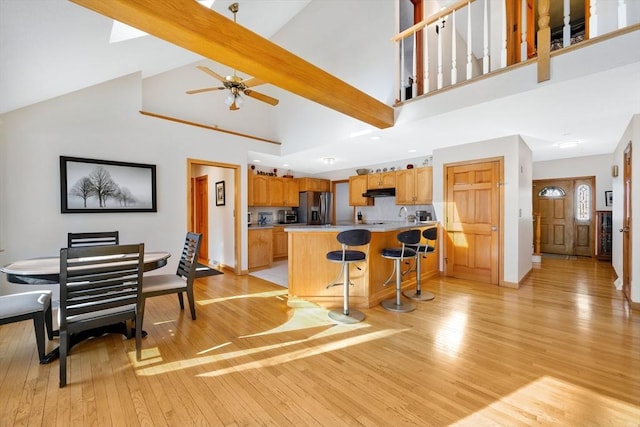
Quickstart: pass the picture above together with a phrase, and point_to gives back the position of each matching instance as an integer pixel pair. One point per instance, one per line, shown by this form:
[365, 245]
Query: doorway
[473, 220]
[221, 222]
[626, 224]
[567, 215]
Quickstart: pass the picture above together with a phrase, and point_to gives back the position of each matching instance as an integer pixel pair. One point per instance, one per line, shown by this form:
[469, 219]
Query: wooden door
[553, 200]
[626, 225]
[202, 215]
[567, 215]
[473, 221]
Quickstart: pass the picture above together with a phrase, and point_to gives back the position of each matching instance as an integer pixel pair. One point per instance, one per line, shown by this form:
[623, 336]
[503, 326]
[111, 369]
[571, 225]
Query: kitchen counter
[373, 226]
[310, 272]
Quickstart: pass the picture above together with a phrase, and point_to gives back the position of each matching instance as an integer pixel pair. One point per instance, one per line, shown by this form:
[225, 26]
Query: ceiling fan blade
[211, 72]
[206, 89]
[251, 82]
[261, 97]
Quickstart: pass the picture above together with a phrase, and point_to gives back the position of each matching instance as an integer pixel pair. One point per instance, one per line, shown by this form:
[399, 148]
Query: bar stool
[431, 235]
[408, 239]
[348, 238]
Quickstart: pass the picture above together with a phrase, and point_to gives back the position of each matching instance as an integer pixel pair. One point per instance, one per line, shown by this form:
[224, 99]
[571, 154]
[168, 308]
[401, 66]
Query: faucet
[403, 208]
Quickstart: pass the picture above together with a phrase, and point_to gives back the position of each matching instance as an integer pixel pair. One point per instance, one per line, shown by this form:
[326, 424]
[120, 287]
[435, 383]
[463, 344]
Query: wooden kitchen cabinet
[280, 243]
[264, 190]
[358, 184]
[381, 180]
[314, 184]
[258, 194]
[414, 186]
[291, 193]
[260, 247]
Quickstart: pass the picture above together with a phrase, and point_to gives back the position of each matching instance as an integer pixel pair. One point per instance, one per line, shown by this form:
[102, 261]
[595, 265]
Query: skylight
[122, 32]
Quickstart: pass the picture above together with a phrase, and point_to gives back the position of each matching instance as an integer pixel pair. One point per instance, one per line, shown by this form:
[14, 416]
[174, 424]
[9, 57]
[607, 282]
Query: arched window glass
[551, 191]
[583, 202]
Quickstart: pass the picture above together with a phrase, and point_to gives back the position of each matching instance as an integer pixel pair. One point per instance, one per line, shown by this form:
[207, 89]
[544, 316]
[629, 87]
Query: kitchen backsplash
[385, 209]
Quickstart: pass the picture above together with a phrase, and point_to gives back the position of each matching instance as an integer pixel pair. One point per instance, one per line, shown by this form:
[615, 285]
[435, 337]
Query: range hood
[380, 192]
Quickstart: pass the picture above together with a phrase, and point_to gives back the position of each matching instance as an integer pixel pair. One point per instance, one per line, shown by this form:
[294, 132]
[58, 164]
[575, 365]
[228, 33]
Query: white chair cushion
[162, 282]
[23, 303]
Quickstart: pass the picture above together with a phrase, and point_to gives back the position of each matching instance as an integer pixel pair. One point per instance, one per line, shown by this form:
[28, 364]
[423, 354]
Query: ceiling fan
[235, 84]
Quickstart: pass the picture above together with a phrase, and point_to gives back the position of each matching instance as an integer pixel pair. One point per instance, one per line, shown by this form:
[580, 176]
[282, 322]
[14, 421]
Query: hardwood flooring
[562, 350]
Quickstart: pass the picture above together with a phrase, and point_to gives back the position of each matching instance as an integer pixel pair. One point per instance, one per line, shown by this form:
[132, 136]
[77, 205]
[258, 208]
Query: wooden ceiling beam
[191, 26]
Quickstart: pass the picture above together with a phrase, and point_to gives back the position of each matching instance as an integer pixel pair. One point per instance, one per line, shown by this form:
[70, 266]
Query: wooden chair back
[102, 238]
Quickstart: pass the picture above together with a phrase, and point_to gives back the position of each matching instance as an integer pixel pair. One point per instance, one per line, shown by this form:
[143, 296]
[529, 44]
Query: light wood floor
[562, 350]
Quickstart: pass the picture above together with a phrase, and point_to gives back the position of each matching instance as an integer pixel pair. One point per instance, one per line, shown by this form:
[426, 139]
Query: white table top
[50, 266]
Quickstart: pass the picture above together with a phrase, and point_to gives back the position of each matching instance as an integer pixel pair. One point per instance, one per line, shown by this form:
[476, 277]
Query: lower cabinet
[280, 243]
[260, 247]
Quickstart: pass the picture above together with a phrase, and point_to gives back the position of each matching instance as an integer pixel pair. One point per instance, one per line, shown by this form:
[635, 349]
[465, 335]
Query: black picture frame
[220, 195]
[608, 198]
[123, 187]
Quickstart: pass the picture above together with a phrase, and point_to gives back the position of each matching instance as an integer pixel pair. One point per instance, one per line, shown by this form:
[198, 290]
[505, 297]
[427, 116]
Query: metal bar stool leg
[417, 293]
[397, 305]
[347, 315]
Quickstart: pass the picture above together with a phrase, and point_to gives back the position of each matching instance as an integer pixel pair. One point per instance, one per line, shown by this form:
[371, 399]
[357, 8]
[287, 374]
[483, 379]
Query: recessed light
[412, 150]
[567, 144]
[328, 160]
[257, 161]
[285, 165]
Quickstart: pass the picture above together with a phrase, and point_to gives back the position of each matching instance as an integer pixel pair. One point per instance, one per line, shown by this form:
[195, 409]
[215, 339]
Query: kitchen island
[310, 272]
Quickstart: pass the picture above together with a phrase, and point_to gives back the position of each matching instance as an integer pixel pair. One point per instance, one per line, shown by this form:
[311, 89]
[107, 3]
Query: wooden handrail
[431, 19]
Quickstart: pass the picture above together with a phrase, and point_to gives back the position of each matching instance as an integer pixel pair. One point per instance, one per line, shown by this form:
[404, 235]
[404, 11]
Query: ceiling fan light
[229, 99]
[239, 100]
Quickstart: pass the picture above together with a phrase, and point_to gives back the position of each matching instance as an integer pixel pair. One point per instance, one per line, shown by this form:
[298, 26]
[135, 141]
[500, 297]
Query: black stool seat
[405, 252]
[409, 240]
[348, 238]
[347, 255]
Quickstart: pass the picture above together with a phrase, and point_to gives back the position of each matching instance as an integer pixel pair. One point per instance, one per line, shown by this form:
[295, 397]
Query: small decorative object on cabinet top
[409, 166]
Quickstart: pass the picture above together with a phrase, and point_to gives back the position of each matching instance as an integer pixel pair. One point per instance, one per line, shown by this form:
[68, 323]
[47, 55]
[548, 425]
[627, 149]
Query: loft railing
[469, 39]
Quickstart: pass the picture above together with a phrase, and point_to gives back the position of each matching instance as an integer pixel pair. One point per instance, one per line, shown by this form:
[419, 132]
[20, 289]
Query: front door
[473, 221]
[566, 208]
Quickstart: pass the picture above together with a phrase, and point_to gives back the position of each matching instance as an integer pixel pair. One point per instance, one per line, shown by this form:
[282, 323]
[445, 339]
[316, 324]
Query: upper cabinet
[314, 184]
[358, 185]
[414, 186]
[381, 180]
[274, 191]
[258, 190]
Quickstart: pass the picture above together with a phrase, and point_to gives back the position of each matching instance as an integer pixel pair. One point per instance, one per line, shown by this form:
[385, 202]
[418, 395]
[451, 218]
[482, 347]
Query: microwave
[287, 217]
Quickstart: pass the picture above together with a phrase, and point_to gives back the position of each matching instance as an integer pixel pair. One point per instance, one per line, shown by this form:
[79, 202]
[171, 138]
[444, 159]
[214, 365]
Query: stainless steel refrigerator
[315, 207]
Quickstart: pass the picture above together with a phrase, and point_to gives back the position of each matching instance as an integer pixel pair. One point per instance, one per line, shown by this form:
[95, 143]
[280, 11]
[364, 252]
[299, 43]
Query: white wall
[518, 230]
[101, 122]
[631, 135]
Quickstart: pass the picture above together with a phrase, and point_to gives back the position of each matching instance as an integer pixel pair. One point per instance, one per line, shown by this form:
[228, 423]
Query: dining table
[46, 271]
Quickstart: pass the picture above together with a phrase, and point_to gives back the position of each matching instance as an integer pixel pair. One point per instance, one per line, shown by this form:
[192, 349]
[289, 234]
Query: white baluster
[566, 30]
[414, 70]
[440, 35]
[427, 75]
[454, 61]
[401, 68]
[469, 44]
[523, 31]
[593, 19]
[622, 14]
[485, 49]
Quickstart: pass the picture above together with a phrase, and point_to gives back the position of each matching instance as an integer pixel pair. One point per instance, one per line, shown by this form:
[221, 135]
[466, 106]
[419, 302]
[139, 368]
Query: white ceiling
[41, 57]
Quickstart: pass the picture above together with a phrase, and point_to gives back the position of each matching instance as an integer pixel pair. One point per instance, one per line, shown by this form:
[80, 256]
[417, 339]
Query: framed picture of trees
[96, 186]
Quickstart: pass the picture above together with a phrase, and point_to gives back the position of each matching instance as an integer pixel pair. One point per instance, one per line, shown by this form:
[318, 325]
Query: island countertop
[373, 226]
[310, 272]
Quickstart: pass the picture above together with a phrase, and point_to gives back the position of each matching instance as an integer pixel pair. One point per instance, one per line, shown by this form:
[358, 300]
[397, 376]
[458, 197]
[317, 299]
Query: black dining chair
[99, 286]
[34, 305]
[101, 238]
[181, 281]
